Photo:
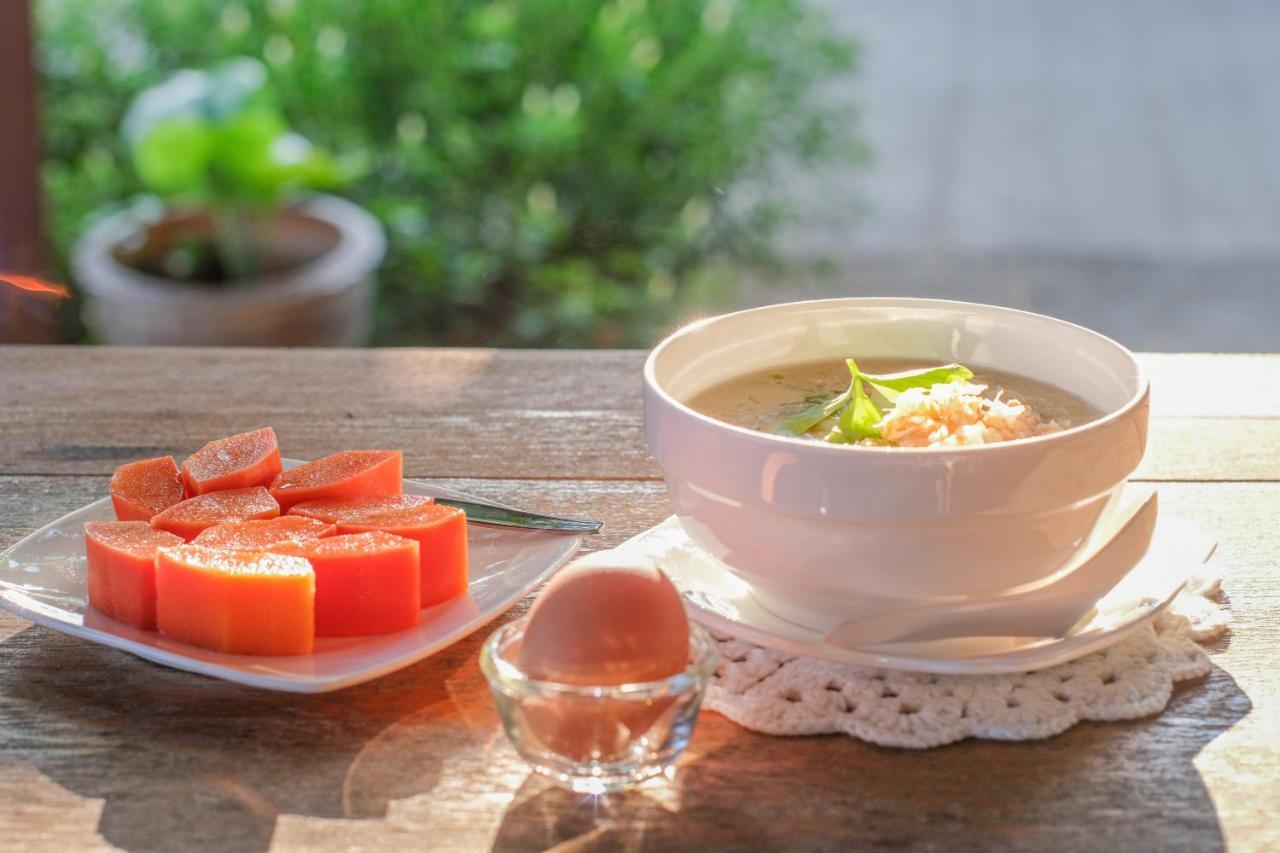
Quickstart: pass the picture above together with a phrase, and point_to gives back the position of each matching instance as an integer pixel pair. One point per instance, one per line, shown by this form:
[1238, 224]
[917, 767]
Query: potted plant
[227, 251]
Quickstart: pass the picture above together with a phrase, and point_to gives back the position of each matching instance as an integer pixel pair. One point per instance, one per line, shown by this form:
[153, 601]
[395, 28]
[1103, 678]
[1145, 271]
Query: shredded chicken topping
[953, 414]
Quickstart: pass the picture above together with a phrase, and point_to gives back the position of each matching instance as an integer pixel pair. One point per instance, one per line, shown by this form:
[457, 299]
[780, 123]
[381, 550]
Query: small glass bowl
[597, 739]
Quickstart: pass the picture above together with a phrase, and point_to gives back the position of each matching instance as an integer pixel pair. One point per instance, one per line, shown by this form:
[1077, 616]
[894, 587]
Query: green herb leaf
[892, 384]
[857, 413]
[836, 437]
[819, 411]
[812, 416]
[859, 418]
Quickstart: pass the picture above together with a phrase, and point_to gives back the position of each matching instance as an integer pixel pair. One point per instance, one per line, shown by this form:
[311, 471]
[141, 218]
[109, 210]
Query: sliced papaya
[141, 489]
[237, 462]
[441, 532]
[349, 474]
[239, 602]
[370, 511]
[261, 534]
[366, 583]
[122, 569]
[193, 515]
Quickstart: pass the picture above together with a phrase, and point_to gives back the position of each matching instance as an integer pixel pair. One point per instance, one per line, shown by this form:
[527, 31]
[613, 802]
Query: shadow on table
[185, 762]
[1115, 786]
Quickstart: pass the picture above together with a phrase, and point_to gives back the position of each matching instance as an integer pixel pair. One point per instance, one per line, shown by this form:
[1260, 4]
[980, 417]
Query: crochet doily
[781, 694]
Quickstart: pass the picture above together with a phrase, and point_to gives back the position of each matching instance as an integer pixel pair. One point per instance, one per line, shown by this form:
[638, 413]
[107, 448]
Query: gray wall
[1112, 162]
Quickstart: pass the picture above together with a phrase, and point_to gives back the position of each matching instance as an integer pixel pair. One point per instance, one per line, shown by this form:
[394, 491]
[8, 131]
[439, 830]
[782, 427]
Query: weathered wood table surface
[98, 748]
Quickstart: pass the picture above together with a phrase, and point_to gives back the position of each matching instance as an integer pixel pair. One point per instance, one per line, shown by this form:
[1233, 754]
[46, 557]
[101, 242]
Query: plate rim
[10, 601]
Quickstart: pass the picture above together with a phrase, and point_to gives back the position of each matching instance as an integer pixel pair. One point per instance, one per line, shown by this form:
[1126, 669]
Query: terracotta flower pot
[315, 289]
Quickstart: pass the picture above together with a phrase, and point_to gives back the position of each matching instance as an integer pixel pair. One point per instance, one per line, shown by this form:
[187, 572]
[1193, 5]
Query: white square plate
[43, 579]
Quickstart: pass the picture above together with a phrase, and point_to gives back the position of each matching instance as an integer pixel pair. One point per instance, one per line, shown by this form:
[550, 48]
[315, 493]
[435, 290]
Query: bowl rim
[768, 439]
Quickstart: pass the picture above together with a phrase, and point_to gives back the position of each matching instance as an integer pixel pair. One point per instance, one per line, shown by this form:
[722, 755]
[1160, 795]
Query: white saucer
[721, 601]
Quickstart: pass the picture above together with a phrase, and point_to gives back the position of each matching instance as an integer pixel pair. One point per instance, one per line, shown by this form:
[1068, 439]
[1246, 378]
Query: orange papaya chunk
[349, 474]
[441, 532]
[193, 515]
[122, 569]
[366, 583]
[239, 602]
[369, 510]
[261, 534]
[238, 462]
[141, 489]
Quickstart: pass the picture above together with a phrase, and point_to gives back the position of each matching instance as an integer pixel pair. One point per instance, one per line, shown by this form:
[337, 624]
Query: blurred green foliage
[217, 138]
[549, 172]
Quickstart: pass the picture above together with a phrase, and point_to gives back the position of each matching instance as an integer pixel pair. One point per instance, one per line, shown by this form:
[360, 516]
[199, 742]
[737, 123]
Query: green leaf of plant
[893, 384]
[174, 155]
[220, 134]
[243, 161]
[182, 96]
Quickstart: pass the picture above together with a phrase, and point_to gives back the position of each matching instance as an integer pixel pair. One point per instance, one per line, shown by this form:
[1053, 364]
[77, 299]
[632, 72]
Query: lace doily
[780, 694]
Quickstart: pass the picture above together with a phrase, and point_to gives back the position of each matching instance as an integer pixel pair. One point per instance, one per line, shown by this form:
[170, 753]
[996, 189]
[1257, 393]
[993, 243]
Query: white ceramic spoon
[1048, 610]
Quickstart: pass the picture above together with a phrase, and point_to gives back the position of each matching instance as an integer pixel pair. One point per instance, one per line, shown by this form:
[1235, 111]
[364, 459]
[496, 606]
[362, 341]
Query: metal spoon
[497, 515]
[1049, 610]
[503, 516]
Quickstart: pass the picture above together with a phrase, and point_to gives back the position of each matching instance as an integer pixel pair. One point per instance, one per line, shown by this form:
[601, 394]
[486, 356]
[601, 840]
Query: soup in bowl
[848, 454]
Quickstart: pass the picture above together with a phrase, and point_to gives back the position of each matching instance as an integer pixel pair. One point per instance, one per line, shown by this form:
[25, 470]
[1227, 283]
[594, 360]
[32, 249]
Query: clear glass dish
[597, 739]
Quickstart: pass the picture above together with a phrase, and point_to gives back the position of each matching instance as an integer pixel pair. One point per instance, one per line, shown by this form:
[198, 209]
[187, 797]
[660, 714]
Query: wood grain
[488, 413]
[98, 748]
[419, 754]
[470, 380]
[587, 444]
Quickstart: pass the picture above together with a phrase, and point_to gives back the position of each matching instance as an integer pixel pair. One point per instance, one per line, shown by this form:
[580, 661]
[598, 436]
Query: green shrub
[550, 172]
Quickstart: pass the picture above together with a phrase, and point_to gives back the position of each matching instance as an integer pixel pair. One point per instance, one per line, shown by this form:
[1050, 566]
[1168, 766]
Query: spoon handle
[501, 516]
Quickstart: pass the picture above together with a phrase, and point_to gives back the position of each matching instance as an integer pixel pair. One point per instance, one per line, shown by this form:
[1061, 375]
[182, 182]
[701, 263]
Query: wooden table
[99, 748]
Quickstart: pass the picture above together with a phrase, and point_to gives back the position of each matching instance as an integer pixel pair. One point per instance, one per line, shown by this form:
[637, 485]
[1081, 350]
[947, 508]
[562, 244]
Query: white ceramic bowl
[825, 532]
